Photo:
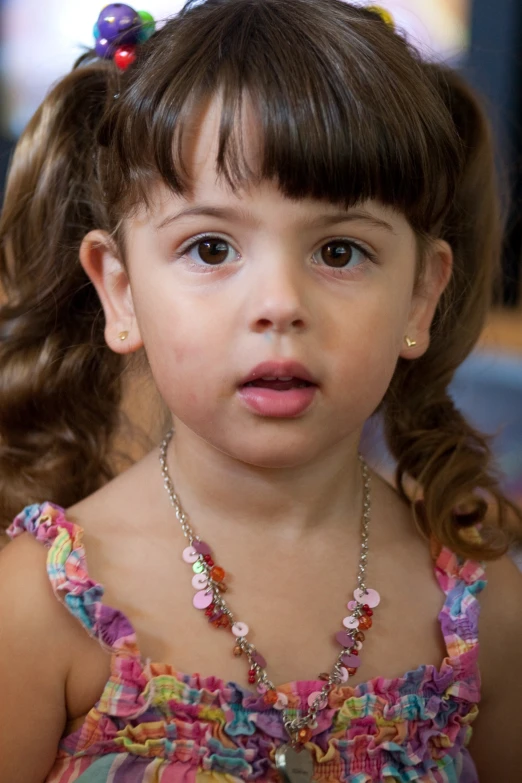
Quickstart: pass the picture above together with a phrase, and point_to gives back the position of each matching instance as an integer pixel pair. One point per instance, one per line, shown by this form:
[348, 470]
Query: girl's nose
[277, 300]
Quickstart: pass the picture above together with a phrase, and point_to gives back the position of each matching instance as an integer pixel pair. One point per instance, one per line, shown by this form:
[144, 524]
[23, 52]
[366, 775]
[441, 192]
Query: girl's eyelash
[194, 241]
[200, 237]
[362, 248]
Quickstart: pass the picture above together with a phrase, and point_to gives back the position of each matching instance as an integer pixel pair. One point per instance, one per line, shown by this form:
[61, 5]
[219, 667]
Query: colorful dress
[154, 724]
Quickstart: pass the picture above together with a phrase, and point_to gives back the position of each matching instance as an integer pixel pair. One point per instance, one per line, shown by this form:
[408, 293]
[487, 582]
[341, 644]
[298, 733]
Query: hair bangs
[344, 111]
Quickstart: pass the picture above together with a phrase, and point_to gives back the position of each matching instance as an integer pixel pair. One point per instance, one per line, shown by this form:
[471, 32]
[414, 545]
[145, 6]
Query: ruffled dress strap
[69, 577]
[462, 581]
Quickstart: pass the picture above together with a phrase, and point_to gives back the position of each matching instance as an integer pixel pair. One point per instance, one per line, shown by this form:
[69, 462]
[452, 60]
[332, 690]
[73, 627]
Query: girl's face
[223, 282]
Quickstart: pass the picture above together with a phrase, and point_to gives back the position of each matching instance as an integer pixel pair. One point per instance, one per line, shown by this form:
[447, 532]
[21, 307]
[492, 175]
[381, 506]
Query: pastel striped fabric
[153, 724]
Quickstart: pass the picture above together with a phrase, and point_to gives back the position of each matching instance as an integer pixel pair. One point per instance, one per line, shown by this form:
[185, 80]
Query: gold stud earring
[410, 343]
[123, 336]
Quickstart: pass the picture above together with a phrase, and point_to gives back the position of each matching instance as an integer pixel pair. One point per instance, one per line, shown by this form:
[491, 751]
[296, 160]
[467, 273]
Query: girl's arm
[496, 745]
[34, 653]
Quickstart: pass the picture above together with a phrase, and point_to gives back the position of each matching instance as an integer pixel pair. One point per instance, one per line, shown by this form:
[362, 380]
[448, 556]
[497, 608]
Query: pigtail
[450, 461]
[59, 384]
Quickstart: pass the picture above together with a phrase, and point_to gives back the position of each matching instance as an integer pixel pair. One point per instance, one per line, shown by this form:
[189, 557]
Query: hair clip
[119, 30]
[383, 13]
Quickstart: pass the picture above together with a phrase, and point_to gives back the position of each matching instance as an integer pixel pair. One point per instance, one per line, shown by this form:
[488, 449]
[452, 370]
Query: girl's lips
[279, 368]
[275, 403]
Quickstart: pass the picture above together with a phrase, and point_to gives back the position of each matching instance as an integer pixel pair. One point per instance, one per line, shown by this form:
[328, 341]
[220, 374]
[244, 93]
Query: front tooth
[286, 379]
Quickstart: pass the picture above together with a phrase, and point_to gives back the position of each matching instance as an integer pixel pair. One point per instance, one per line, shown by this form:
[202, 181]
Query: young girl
[294, 219]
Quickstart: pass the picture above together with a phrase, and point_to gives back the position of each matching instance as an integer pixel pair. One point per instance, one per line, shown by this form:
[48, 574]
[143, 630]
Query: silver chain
[335, 677]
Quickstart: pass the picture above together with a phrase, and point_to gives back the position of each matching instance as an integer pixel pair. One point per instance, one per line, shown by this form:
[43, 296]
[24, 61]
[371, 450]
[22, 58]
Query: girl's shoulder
[36, 653]
[41, 563]
[31, 601]
[495, 745]
[500, 623]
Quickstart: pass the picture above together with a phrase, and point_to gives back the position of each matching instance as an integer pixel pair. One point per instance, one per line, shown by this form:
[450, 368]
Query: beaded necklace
[293, 761]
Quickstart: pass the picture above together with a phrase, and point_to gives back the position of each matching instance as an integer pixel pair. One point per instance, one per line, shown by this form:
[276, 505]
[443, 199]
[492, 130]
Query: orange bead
[352, 671]
[270, 697]
[365, 622]
[304, 735]
[221, 586]
[217, 574]
[359, 636]
[224, 621]
[237, 651]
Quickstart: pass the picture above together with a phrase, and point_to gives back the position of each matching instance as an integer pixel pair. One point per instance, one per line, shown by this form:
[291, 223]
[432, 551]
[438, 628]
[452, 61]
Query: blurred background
[40, 41]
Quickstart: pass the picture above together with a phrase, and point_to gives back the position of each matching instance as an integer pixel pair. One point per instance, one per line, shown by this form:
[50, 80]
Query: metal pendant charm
[294, 764]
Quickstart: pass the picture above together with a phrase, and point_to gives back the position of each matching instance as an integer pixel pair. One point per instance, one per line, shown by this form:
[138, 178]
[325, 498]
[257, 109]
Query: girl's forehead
[200, 142]
[261, 204]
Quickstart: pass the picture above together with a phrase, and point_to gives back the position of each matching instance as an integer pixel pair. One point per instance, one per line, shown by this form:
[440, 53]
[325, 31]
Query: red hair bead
[124, 56]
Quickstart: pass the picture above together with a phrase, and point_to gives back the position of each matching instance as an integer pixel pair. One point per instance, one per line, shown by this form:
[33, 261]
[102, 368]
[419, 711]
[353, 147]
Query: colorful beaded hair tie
[118, 32]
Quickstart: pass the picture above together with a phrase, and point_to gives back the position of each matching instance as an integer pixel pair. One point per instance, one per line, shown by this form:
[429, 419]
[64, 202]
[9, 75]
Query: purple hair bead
[120, 24]
[104, 48]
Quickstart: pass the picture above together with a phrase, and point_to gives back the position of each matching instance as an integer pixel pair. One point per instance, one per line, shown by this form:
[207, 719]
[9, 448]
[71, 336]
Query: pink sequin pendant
[259, 659]
[202, 548]
[190, 555]
[351, 661]
[202, 599]
[344, 674]
[371, 597]
[313, 696]
[199, 581]
[344, 639]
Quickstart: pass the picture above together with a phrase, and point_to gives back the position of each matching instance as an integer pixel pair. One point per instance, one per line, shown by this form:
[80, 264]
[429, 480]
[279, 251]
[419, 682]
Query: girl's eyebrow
[239, 215]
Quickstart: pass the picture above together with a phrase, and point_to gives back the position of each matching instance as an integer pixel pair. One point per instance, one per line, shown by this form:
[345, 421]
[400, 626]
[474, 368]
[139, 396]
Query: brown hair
[347, 112]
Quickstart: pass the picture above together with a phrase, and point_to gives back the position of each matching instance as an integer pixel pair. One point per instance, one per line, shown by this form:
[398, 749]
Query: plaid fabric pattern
[153, 724]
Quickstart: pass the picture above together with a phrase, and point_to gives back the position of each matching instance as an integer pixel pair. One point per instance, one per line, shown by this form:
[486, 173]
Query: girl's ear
[99, 258]
[437, 274]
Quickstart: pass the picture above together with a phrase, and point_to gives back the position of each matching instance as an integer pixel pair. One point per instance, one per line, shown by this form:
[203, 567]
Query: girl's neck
[290, 503]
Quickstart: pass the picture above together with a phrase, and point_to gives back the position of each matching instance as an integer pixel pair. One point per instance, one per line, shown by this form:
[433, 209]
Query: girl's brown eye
[337, 254]
[212, 251]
